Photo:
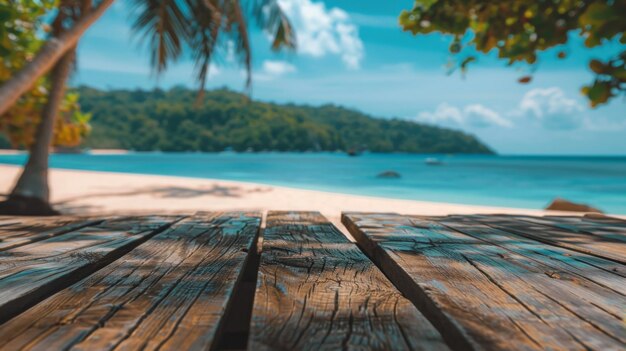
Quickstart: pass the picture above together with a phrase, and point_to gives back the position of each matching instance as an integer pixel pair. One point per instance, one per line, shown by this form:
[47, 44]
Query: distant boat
[354, 152]
[67, 150]
[432, 161]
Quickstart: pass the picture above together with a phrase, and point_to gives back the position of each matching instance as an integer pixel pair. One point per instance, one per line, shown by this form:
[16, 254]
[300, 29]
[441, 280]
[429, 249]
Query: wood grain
[18, 231]
[32, 272]
[596, 297]
[487, 290]
[603, 272]
[317, 291]
[169, 293]
[608, 246]
[612, 229]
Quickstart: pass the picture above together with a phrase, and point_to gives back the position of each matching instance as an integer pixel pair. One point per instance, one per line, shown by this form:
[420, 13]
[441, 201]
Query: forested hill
[173, 121]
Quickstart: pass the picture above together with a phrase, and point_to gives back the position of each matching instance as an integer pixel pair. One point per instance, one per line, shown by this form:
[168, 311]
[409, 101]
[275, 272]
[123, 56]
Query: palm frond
[204, 35]
[237, 29]
[165, 26]
[270, 17]
[203, 26]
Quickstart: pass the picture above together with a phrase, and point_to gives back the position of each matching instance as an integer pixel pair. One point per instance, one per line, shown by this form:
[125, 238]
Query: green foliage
[17, 35]
[519, 29]
[172, 121]
[22, 23]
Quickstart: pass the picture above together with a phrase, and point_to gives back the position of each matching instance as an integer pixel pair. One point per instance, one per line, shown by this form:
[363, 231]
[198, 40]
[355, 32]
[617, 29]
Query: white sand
[91, 152]
[107, 152]
[11, 152]
[86, 192]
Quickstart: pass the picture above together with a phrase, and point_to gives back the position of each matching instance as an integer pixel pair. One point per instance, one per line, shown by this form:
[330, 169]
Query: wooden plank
[317, 291]
[169, 293]
[593, 219]
[604, 219]
[591, 268]
[20, 231]
[612, 229]
[479, 295]
[596, 297]
[593, 244]
[31, 272]
[8, 220]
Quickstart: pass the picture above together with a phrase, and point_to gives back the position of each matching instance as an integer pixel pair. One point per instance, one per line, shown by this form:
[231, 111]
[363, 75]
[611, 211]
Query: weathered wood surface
[18, 231]
[593, 292]
[317, 291]
[606, 242]
[169, 293]
[489, 288]
[605, 227]
[31, 272]
[164, 282]
[598, 270]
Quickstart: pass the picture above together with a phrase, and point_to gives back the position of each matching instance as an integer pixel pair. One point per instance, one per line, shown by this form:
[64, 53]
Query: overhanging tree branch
[47, 57]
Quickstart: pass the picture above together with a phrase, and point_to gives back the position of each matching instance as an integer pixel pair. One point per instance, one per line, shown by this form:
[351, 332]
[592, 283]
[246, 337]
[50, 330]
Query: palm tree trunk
[47, 57]
[31, 194]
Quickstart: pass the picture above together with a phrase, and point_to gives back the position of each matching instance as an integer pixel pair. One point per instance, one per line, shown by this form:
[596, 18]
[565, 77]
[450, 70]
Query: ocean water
[512, 181]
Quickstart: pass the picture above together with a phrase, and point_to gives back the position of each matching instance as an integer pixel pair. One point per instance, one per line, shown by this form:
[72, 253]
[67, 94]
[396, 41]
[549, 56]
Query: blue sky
[353, 53]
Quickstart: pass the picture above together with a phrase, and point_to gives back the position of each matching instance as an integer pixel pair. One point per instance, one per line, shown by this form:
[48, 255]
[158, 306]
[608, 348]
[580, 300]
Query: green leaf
[519, 30]
[425, 4]
[597, 66]
[599, 92]
[597, 13]
[466, 62]
[455, 47]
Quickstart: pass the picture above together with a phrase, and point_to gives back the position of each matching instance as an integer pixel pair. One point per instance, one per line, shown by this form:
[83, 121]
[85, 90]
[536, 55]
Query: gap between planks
[316, 290]
[385, 239]
[207, 274]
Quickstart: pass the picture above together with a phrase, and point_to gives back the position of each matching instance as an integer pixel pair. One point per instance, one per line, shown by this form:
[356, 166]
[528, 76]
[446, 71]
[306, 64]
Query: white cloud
[214, 71]
[321, 31]
[547, 108]
[444, 115]
[480, 116]
[475, 115]
[277, 68]
[551, 108]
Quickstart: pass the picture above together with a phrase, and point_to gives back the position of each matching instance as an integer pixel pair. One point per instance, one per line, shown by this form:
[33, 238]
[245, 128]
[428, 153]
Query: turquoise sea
[512, 181]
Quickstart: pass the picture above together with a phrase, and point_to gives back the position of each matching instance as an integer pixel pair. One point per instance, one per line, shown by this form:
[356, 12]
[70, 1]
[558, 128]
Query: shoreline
[425, 154]
[88, 152]
[86, 192]
[11, 152]
[481, 181]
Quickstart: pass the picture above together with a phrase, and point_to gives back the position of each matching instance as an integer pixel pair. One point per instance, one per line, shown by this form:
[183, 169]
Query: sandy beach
[87, 192]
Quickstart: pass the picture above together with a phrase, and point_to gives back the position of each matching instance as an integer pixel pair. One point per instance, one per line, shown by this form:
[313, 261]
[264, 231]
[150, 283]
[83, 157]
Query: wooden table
[294, 282]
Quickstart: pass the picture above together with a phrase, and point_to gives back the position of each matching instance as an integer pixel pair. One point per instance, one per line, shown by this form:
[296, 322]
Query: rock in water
[563, 205]
[388, 174]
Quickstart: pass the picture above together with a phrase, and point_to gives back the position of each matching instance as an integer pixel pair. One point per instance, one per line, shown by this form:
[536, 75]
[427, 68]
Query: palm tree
[31, 192]
[169, 26]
